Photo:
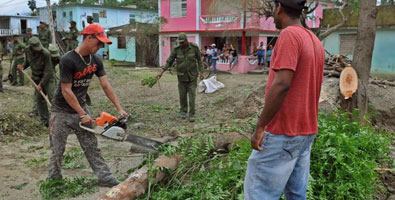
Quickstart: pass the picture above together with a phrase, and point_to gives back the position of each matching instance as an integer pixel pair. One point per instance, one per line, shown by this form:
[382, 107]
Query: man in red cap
[280, 160]
[77, 68]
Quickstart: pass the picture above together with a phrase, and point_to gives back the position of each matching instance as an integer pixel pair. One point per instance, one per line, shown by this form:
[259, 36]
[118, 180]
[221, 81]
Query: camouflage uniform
[18, 47]
[71, 37]
[60, 126]
[27, 37]
[188, 66]
[42, 73]
[45, 37]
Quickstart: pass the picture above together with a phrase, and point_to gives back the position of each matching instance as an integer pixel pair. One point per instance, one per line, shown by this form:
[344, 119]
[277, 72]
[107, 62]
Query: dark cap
[35, 44]
[73, 23]
[53, 50]
[41, 22]
[182, 37]
[295, 4]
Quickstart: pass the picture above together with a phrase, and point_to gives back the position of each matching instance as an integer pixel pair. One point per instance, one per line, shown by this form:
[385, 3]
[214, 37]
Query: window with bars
[71, 15]
[178, 8]
[103, 14]
[95, 17]
[347, 43]
[121, 42]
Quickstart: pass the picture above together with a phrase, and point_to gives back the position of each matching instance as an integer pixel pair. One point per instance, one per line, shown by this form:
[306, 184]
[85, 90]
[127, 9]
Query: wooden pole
[51, 24]
[35, 86]
[243, 36]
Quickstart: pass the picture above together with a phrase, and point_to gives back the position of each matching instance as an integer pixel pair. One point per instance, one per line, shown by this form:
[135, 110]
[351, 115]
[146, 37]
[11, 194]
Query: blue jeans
[282, 166]
[214, 65]
[261, 59]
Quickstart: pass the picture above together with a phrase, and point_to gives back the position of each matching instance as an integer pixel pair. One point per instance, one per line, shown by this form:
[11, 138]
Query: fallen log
[382, 83]
[137, 182]
[331, 73]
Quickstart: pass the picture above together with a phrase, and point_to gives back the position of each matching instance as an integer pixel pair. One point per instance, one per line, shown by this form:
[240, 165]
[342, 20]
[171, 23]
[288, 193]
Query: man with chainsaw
[188, 65]
[69, 109]
[39, 59]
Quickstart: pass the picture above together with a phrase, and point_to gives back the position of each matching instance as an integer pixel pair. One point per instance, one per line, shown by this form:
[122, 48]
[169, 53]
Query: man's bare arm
[275, 98]
[110, 94]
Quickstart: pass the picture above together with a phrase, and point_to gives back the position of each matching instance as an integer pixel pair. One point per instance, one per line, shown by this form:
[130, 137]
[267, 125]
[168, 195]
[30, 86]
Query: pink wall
[318, 15]
[178, 24]
[166, 48]
[205, 41]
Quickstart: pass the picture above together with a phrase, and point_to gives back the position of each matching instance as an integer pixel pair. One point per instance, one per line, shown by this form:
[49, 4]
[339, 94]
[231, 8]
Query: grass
[66, 188]
[343, 159]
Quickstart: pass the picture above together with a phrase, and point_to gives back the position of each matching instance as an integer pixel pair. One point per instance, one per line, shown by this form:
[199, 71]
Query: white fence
[7, 32]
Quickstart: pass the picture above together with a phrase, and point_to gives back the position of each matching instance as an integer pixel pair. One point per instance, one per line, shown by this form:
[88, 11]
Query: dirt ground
[24, 148]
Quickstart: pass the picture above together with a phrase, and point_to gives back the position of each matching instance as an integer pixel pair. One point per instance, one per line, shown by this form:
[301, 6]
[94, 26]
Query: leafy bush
[65, 188]
[343, 159]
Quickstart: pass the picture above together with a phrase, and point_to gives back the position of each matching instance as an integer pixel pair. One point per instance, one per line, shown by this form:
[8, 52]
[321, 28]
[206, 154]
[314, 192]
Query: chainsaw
[114, 128]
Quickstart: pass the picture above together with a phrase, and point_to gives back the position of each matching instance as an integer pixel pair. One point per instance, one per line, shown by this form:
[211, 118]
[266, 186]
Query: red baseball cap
[98, 31]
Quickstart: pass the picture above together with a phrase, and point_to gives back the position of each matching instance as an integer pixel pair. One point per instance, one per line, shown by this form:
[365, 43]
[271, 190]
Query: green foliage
[72, 159]
[203, 173]
[65, 188]
[343, 158]
[19, 186]
[150, 81]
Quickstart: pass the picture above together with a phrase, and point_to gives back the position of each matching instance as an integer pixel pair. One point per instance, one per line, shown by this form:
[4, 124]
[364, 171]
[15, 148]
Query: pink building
[222, 23]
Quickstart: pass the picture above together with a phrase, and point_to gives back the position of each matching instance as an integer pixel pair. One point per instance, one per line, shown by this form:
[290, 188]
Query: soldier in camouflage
[188, 65]
[39, 59]
[44, 35]
[28, 35]
[71, 37]
[18, 55]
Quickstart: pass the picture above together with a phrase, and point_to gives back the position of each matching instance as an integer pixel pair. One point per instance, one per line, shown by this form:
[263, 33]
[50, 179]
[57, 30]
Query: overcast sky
[12, 7]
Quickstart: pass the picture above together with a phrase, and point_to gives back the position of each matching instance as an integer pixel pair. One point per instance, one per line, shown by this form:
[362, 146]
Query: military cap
[53, 50]
[182, 37]
[41, 22]
[35, 44]
[29, 30]
[73, 22]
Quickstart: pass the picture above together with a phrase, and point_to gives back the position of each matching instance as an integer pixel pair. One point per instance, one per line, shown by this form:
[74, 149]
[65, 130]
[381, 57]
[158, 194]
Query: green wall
[383, 61]
[128, 54]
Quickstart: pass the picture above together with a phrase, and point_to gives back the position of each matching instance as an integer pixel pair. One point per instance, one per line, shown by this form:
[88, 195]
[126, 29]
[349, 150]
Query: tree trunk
[362, 58]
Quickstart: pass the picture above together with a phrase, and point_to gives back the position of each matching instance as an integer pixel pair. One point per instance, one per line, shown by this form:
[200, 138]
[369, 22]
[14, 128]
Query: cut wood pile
[334, 65]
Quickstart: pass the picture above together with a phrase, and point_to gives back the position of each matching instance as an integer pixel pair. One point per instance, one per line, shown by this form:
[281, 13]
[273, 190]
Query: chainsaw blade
[142, 141]
[115, 133]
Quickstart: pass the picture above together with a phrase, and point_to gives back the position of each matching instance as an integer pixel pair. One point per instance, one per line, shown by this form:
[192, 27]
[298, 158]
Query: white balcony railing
[210, 19]
[6, 32]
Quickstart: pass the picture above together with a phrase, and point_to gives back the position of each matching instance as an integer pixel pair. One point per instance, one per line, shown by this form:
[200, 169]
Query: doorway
[23, 26]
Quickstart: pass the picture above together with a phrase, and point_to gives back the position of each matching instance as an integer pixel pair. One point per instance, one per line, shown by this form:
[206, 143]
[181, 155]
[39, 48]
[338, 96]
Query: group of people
[287, 126]
[35, 52]
[211, 54]
[263, 54]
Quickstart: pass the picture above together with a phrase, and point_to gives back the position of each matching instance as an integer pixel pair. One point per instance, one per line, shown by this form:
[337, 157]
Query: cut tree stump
[137, 183]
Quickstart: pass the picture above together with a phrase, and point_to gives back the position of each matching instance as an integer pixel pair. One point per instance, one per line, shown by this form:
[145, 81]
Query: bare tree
[362, 58]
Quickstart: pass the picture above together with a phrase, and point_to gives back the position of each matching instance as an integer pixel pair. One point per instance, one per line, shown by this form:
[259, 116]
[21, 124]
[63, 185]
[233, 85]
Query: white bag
[210, 85]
